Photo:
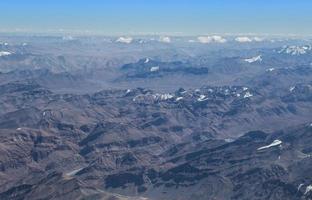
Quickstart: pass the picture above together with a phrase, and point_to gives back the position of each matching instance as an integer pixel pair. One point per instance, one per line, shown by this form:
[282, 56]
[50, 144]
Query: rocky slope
[137, 142]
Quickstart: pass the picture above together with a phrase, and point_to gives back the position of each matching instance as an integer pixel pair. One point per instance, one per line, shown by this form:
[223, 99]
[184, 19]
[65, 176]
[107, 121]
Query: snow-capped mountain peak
[295, 50]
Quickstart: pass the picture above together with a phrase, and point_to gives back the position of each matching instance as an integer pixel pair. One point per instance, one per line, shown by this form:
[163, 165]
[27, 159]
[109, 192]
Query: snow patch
[74, 172]
[154, 69]
[292, 88]
[165, 96]
[147, 60]
[248, 94]
[228, 140]
[202, 98]
[226, 91]
[300, 185]
[308, 189]
[179, 98]
[143, 98]
[273, 144]
[253, 59]
[270, 69]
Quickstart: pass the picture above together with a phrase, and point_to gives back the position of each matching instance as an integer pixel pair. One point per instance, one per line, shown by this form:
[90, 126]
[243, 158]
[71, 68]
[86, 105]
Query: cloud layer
[248, 39]
[210, 39]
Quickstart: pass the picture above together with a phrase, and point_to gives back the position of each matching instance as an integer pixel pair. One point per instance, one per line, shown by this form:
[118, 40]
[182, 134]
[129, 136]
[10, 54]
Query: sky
[172, 17]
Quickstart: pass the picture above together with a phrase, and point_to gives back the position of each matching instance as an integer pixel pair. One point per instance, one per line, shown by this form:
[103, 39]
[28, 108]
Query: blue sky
[181, 17]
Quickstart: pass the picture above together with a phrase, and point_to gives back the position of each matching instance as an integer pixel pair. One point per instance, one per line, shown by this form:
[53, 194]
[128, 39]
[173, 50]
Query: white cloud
[68, 38]
[126, 40]
[257, 39]
[165, 39]
[204, 39]
[248, 39]
[218, 39]
[209, 39]
[243, 39]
